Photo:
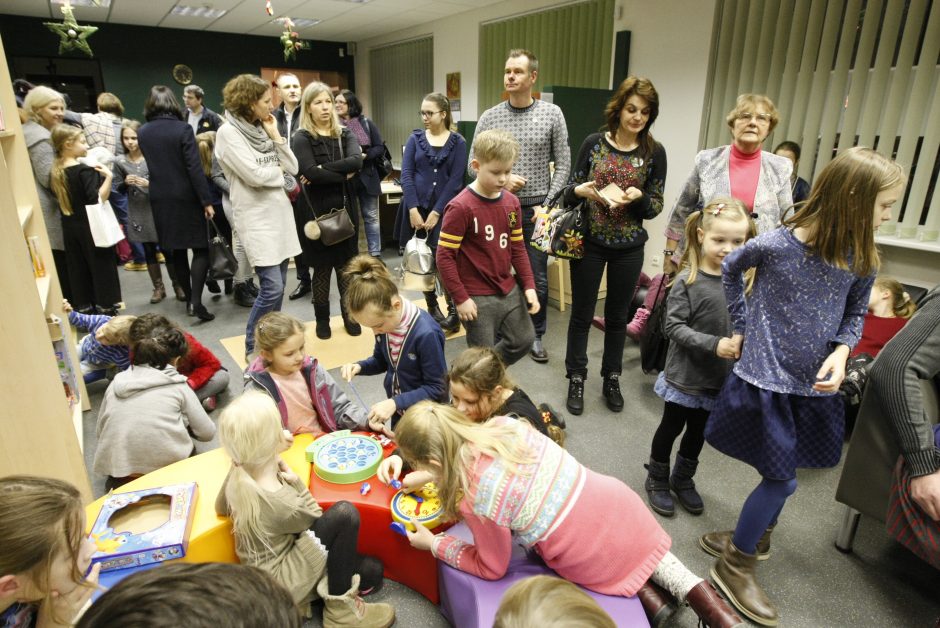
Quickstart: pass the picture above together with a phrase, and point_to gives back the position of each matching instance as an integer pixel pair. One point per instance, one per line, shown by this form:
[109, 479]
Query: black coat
[178, 187]
[328, 189]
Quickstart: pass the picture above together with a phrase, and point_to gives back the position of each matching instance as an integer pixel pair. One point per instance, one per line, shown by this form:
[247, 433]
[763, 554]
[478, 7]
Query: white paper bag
[105, 229]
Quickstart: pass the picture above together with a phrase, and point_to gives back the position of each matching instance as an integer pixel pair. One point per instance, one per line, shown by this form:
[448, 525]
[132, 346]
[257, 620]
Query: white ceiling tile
[32, 8]
[148, 13]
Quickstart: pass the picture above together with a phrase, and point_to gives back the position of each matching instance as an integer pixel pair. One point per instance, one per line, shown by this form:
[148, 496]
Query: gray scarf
[255, 134]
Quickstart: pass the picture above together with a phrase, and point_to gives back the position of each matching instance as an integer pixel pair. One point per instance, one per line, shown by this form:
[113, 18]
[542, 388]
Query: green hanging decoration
[290, 40]
[72, 36]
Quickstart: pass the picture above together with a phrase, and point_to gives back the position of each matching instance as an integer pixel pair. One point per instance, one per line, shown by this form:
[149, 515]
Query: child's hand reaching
[467, 311]
[421, 538]
[533, 299]
[415, 480]
[348, 371]
[381, 412]
[728, 349]
[66, 306]
[285, 472]
[833, 369]
[389, 469]
[66, 606]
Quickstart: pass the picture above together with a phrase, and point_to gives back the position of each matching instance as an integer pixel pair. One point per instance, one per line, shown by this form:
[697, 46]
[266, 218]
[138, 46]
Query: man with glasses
[540, 129]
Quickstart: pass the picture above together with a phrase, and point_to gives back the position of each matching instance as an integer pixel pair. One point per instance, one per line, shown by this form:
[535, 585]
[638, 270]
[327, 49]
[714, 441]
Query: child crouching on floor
[305, 393]
[149, 410]
[204, 373]
[106, 344]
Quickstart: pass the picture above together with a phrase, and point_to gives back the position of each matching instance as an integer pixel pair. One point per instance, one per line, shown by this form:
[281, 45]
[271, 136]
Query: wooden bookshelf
[40, 429]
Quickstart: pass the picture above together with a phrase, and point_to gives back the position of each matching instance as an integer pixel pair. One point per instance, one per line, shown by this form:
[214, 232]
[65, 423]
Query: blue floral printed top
[601, 162]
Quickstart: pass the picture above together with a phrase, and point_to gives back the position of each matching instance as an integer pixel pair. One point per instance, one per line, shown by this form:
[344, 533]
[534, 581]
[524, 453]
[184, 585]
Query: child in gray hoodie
[149, 411]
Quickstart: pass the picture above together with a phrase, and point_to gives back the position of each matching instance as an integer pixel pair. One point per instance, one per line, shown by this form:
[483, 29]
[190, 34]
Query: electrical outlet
[656, 261]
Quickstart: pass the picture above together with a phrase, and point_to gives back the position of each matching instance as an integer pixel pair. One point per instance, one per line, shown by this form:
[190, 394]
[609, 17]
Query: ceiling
[341, 20]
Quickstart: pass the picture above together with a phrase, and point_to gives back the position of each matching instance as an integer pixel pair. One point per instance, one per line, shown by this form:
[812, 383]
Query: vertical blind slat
[860, 74]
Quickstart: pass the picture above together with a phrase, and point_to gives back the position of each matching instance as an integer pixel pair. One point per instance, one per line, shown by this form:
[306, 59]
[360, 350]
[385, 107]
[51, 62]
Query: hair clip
[717, 209]
[236, 464]
[753, 215]
[261, 326]
[907, 298]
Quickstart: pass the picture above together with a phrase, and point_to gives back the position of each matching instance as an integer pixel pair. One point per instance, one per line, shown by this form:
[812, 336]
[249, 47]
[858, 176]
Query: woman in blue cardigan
[409, 344]
[432, 173]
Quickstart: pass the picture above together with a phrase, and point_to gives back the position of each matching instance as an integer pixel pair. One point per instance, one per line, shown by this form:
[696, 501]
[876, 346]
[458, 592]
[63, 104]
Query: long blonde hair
[311, 91]
[205, 142]
[433, 432]
[719, 208]
[549, 602]
[42, 518]
[250, 433]
[839, 213]
[62, 136]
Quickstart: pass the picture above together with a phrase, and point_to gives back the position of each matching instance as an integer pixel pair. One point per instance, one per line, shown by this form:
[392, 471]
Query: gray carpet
[880, 584]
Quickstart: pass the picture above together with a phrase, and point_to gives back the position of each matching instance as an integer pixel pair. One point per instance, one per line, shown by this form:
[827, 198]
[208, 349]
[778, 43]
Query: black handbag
[654, 343]
[559, 231]
[222, 262]
[383, 163]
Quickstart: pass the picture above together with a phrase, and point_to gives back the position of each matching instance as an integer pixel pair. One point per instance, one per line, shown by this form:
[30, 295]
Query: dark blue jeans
[269, 299]
[623, 269]
[539, 263]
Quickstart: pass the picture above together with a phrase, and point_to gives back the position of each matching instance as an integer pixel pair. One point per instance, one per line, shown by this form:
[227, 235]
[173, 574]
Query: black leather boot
[433, 308]
[322, 314]
[451, 323]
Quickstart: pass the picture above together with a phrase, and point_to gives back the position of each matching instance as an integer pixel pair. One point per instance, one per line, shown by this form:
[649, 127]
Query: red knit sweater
[198, 365]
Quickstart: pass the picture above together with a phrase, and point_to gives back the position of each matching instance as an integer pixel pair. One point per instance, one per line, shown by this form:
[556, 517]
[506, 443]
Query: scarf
[358, 128]
[255, 134]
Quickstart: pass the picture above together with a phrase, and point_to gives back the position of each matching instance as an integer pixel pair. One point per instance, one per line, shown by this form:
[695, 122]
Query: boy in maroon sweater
[480, 245]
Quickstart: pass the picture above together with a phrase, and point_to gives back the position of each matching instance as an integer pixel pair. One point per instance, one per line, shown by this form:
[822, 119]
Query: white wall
[669, 45]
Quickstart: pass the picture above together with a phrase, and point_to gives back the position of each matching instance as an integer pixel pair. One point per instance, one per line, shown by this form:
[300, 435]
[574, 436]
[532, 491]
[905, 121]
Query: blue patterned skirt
[776, 433]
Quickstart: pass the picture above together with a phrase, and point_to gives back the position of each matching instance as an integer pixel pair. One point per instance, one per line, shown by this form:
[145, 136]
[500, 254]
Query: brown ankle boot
[711, 609]
[715, 542]
[156, 277]
[733, 572]
[348, 609]
[656, 602]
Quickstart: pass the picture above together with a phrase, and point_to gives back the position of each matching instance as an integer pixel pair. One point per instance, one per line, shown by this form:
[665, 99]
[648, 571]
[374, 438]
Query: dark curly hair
[156, 341]
[241, 93]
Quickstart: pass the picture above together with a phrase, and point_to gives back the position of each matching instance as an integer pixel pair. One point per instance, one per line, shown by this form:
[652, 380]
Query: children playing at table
[480, 245]
[778, 409]
[481, 389]
[203, 370]
[93, 274]
[409, 344]
[106, 345]
[45, 553]
[279, 526]
[700, 351]
[511, 484]
[149, 410]
[305, 393]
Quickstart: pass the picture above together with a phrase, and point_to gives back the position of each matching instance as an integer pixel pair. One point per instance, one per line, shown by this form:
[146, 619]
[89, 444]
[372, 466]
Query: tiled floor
[880, 584]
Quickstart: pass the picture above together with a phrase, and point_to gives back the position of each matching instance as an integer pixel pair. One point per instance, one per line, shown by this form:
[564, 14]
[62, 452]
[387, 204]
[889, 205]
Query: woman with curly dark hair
[260, 167]
[179, 194]
[621, 173]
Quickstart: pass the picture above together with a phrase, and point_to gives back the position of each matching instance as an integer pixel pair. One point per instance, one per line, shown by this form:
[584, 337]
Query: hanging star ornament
[290, 40]
[72, 36]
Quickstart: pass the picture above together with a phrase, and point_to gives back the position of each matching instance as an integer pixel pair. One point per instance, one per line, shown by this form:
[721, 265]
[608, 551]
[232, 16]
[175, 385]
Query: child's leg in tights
[338, 530]
[670, 427]
[760, 510]
[694, 438]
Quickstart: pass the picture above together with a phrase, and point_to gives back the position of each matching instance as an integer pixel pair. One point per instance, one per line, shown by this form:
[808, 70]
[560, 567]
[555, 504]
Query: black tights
[338, 530]
[676, 417]
[193, 279]
[322, 272]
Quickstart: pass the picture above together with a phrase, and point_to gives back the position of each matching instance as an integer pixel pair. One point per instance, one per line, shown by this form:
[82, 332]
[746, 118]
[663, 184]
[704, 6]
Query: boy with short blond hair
[480, 245]
[107, 343]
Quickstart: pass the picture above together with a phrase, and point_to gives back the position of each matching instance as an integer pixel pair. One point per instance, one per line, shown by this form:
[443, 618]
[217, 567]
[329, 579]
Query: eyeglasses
[761, 118]
[427, 114]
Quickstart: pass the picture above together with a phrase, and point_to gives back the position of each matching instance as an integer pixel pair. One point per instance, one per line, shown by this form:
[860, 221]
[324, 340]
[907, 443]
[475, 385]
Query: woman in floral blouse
[625, 155]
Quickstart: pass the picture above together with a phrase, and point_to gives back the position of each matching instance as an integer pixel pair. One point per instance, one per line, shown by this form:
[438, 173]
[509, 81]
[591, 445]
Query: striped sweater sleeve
[913, 354]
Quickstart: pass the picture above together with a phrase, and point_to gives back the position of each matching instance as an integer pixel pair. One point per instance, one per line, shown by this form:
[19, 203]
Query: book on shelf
[39, 268]
[67, 372]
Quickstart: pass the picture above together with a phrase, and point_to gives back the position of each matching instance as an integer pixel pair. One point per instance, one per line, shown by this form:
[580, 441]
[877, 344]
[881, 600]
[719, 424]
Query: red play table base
[413, 568]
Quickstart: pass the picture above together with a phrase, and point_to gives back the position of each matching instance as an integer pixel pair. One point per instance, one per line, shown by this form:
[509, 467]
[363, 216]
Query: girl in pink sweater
[512, 484]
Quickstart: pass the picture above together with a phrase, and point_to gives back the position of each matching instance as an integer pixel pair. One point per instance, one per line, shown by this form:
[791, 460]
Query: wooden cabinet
[40, 431]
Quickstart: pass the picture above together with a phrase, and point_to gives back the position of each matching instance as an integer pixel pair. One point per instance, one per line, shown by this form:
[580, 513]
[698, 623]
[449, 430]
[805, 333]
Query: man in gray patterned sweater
[540, 129]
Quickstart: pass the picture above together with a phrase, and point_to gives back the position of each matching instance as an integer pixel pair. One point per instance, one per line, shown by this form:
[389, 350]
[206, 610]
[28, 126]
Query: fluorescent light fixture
[84, 3]
[205, 11]
[359, 1]
[299, 22]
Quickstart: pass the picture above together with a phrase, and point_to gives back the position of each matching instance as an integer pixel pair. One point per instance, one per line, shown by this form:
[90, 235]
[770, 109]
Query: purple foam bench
[471, 602]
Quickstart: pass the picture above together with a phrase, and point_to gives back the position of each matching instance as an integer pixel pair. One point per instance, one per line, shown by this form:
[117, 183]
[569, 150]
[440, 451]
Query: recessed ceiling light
[300, 22]
[205, 11]
[84, 3]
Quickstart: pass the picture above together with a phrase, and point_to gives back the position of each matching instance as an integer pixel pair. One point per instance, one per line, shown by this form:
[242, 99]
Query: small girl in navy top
[778, 409]
[409, 344]
[700, 351]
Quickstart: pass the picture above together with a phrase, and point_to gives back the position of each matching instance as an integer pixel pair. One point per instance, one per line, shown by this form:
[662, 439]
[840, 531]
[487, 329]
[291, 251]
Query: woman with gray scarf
[260, 168]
